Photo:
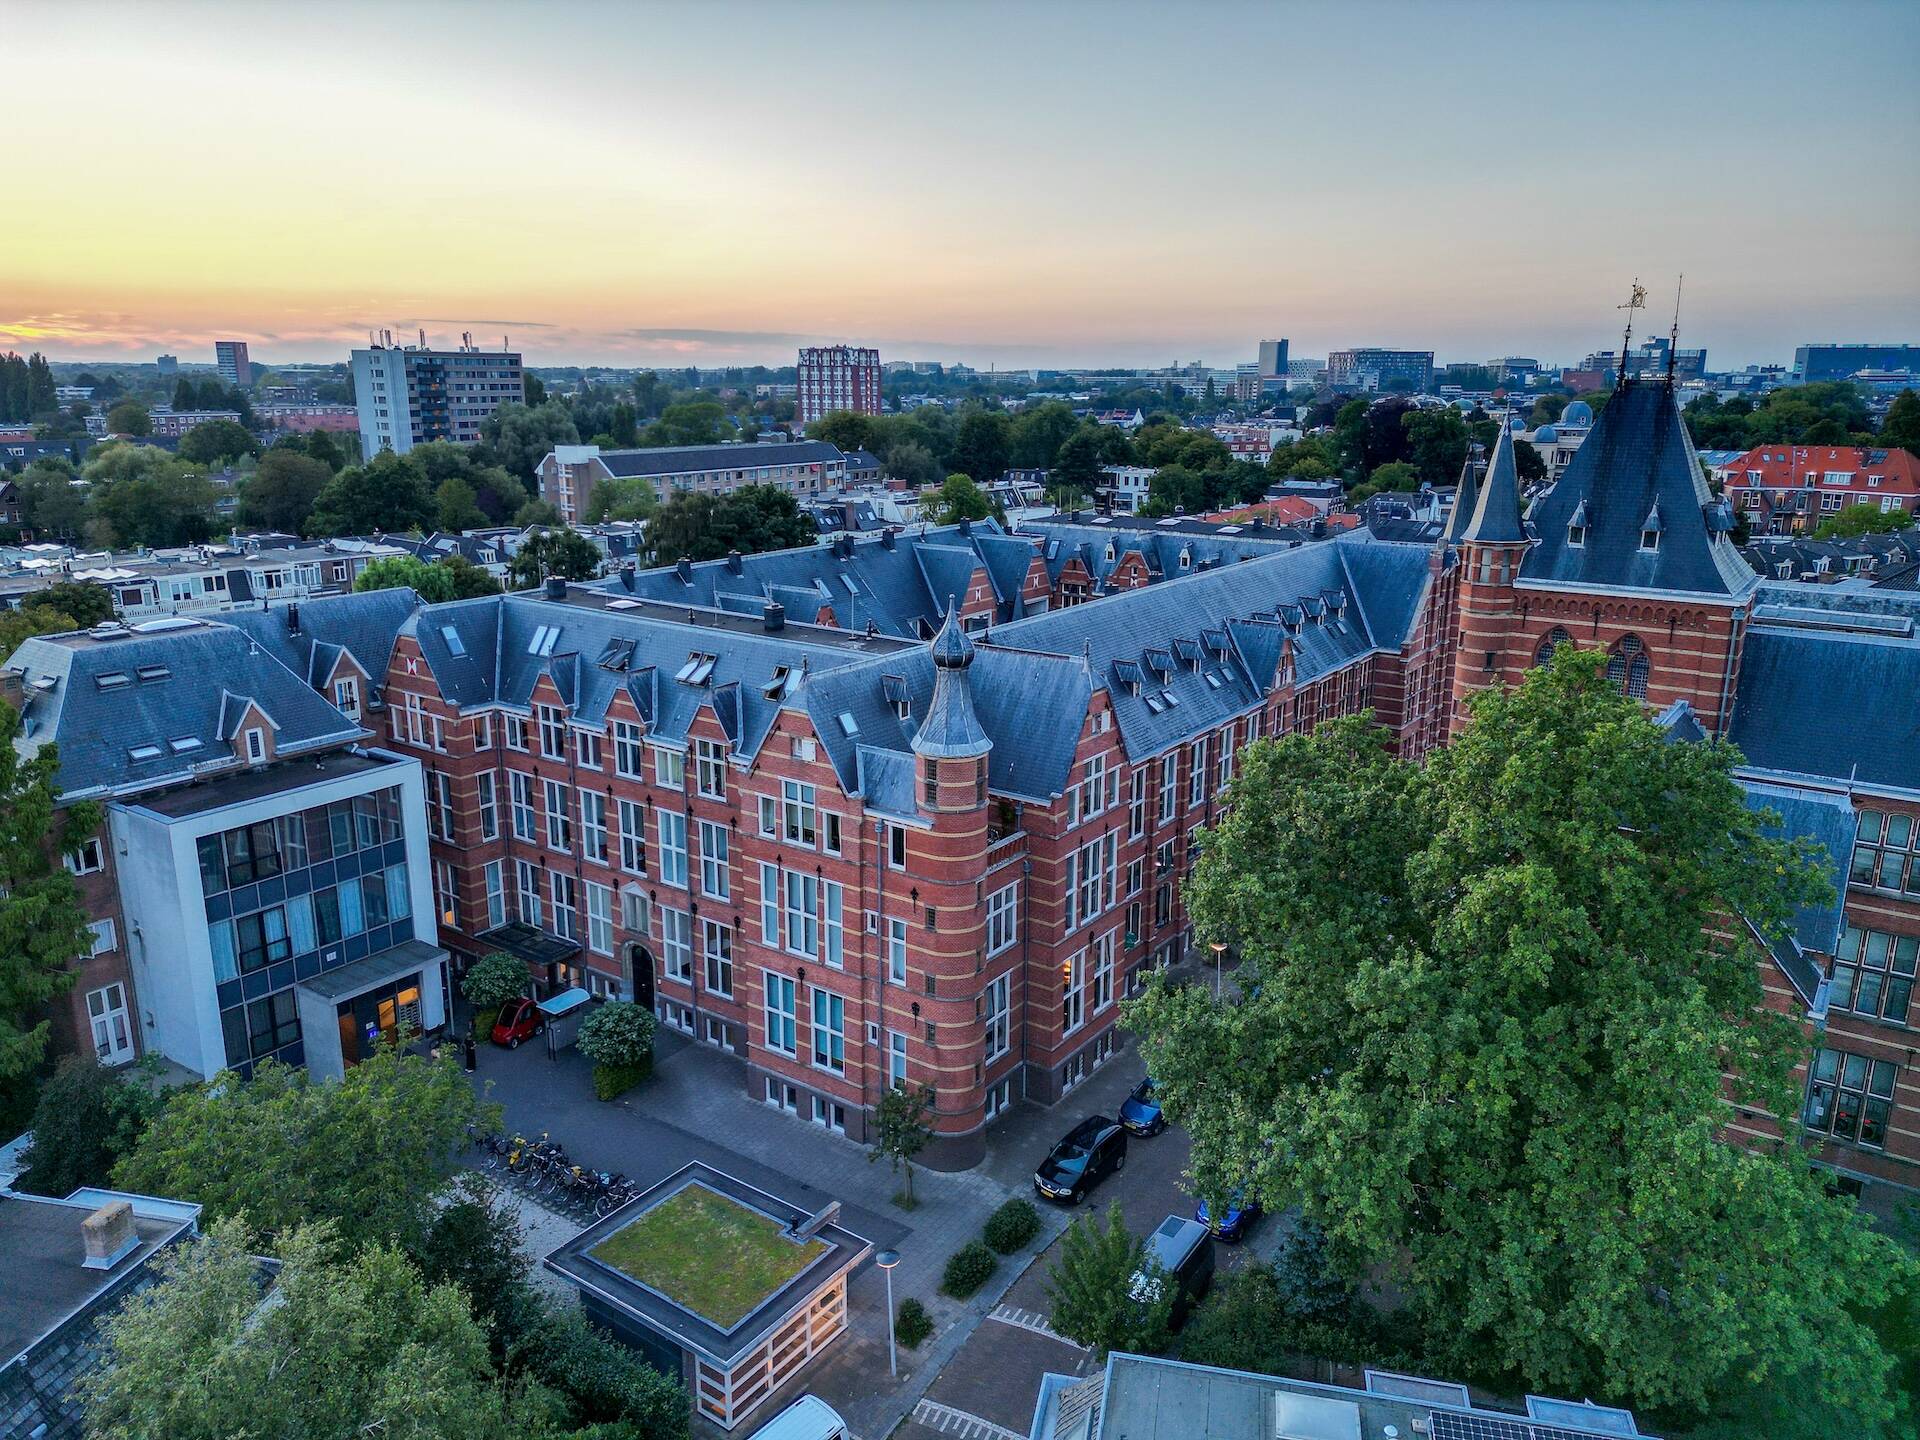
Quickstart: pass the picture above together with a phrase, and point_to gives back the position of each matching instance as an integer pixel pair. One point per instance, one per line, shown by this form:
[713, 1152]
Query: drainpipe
[1721, 724]
[876, 955]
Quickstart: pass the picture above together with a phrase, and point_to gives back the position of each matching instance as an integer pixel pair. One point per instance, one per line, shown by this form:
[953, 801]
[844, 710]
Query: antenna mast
[1636, 301]
[1673, 340]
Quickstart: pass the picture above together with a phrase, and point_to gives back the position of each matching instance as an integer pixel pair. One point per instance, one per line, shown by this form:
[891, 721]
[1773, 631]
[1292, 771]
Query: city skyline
[1369, 175]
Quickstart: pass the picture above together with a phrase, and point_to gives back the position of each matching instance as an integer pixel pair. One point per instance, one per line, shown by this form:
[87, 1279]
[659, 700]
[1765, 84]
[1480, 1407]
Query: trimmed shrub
[1011, 1226]
[914, 1324]
[618, 1032]
[492, 982]
[610, 1082]
[971, 1267]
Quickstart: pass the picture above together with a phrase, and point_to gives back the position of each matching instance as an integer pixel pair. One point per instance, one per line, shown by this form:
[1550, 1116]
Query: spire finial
[1673, 339]
[1636, 301]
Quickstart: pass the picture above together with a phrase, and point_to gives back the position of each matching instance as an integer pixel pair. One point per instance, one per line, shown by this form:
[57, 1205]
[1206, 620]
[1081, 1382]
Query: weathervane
[1637, 301]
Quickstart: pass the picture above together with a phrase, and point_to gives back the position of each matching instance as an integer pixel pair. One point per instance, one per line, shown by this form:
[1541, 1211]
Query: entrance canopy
[403, 986]
[531, 944]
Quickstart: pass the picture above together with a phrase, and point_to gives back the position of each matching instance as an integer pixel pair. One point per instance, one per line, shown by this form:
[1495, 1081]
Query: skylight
[848, 724]
[150, 673]
[112, 680]
[144, 752]
[777, 686]
[1173, 700]
[1154, 705]
[455, 645]
[698, 669]
[181, 744]
[544, 639]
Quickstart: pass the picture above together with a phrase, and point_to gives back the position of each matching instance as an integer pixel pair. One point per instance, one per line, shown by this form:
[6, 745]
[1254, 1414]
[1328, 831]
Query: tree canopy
[388, 494]
[522, 435]
[958, 499]
[751, 519]
[217, 442]
[281, 492]
[566, 554]
[1862, 519]
[1491, 1009]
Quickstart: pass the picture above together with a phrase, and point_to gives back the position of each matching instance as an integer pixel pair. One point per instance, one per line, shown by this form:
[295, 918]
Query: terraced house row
[899, 811]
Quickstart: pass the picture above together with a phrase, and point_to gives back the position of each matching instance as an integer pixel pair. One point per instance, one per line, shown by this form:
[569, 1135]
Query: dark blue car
[1242, 1214]
[1140, 1112]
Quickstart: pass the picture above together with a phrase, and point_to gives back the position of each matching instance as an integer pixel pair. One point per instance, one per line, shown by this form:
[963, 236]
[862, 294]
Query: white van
[808, 1418]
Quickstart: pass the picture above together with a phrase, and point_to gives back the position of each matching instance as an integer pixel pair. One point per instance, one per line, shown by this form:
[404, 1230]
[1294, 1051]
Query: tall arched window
[1556, 637]
[1627, 666]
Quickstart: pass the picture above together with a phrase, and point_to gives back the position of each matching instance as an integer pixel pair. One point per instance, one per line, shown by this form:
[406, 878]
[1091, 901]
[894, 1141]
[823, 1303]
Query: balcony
[1004, 844]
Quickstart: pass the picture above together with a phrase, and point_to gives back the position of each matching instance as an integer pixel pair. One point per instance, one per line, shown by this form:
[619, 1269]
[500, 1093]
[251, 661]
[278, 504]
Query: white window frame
[671, 828]
[1003, 912]
[715, 858]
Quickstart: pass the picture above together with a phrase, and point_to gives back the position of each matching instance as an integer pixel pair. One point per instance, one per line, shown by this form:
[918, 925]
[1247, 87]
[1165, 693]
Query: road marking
[1031, 1320]
[949, 1421]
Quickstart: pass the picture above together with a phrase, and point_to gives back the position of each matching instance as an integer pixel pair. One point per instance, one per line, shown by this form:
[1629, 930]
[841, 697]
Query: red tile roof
[1798, 467]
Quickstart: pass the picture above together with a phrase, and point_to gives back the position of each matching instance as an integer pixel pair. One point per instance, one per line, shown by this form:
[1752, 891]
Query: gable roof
[308, 638]
[1636, 470]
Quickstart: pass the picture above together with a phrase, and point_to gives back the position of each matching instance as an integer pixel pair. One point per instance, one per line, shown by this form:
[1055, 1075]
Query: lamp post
[886, 1260]
[1219, 948]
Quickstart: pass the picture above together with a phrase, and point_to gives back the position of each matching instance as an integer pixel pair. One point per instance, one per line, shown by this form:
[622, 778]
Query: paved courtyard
[977, 1377]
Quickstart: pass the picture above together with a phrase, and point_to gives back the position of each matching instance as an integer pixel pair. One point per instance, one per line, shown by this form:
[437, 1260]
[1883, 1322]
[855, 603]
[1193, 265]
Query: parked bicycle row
[541, 1167]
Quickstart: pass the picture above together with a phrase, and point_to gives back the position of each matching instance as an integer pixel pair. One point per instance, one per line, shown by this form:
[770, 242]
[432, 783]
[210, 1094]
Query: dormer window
[1576, 536]
[1649, 541]
[256, 746]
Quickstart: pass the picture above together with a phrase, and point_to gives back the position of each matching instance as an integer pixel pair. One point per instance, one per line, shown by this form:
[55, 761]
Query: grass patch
[708, 1253]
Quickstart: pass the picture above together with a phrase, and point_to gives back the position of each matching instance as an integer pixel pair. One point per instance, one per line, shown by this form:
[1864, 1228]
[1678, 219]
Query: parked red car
[519, 1020]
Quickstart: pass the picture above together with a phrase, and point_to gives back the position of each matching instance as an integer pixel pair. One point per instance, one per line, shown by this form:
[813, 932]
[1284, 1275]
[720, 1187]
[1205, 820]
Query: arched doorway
[640, 974]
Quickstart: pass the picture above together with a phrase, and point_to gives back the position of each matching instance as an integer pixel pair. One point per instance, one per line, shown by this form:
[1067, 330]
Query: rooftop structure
[803, 468]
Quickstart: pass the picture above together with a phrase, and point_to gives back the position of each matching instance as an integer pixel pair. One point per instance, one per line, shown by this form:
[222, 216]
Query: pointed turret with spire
[1465, 494]
[951, 730]
[1496, 518]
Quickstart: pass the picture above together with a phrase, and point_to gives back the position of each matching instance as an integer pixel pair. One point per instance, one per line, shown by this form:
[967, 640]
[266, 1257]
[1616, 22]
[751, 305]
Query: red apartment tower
[837, 377]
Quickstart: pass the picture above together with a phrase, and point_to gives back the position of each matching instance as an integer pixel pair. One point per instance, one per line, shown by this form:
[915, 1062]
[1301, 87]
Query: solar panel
[1457, 1425]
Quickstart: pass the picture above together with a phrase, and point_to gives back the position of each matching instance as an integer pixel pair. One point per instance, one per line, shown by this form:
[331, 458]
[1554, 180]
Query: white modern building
[408, 395]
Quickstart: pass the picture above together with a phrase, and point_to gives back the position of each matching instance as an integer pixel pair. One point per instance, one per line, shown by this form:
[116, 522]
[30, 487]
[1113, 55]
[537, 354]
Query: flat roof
[41, 1252]
[357, 976]
[652, 1310]
[608, 595]
[295, 773]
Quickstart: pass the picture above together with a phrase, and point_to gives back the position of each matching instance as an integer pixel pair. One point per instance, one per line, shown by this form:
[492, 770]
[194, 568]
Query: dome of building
[1578, 413]
[1545, 435]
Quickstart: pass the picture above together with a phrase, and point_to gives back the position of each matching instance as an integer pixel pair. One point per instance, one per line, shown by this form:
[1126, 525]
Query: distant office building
[1509, 368]
[1838, 362]
[802, 468]
[1373, 369]
[168, 366]
[837, 377]
[1273, 357]
[230, 356]
[408, 395]
[173, 424]
[1648, 361]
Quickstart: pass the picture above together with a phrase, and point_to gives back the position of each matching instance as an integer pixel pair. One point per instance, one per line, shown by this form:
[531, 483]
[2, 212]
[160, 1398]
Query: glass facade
[290, 897]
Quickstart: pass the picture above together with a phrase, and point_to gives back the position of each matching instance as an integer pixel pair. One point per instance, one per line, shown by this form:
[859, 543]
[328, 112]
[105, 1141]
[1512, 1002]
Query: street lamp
[886, 1260]
[1219, 948]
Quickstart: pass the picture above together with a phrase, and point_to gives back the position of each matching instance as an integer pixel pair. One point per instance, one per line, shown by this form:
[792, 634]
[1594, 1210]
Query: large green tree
[983, 446]
[43, 926]
[280, 493]
[217, 442]
[522, 435]
[562, 554]
[958, 499]
[1862, 519]
[406, 572]
[347, 1347]
[1093, 1293]
[1901, 427]
[389, 493]
[368, 1153]
[751, 519]
[1495, 1001]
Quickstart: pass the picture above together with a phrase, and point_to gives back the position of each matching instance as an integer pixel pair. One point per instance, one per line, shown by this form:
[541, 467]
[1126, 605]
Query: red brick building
[1790, 489]
[836, 377]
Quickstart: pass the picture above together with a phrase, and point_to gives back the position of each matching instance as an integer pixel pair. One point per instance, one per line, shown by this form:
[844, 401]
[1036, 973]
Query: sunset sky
[1047, 184]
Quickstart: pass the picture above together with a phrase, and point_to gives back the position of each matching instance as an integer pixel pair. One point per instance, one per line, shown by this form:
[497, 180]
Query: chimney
[109, 1235]
[774, 617]
[627, 577]
[886, 535]
[556, 587]
[13, 687]
[733, 562]
[966, 526]
[683, 567]
[293, 619]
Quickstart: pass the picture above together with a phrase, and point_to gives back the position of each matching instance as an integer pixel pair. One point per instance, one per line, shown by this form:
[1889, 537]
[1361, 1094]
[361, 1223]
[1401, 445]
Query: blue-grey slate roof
[1830, 703]
[197, 678]
[363, 624]
[1161, 550]
[1495, 518]
[683, 459]
[1637, 464]
[1828, 819]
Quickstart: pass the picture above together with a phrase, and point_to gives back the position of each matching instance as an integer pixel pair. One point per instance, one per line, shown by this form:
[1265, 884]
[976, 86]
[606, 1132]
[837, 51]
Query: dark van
[1183, 1251]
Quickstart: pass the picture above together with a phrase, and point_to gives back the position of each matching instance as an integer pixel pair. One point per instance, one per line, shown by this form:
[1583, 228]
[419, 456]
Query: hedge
[971, 1267]
[610, 1082]
[914, 1324]
[1011, 1226]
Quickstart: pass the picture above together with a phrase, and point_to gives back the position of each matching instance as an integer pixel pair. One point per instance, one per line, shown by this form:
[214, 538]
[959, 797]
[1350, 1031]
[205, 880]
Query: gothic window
[1627, 666]
[1556, 637]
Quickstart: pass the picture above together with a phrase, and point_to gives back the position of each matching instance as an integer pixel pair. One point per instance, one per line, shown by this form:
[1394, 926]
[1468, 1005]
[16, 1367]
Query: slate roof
[363, 624]
[951, 729]
[894, 587]
[1828, 819]
[1495, 518]
[1159, 548]
[1128, 639]
[1637, 467]
[1831, 703]
[178, 692]
[687, 459]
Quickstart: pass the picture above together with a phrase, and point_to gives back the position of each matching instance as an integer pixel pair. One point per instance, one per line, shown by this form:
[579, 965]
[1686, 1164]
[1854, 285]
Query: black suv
[1090, 1152]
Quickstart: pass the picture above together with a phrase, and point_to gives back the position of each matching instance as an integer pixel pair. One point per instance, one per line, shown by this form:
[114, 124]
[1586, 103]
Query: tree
[524, 435]
[618, 1038]
[492, 981]
[282, 490]
[1398, 475]
[1493, 1010]
[566, 554]
[1527, 461]
[388, 493]
[369, 1152]
[1092, 1291]
[982, 446]
[1436, 443]
[958, 499]
[841, 428]
[85, 1119]
[52, 506]
[1547, 409]
[129, 417]
[456, 508]
[690, 422]
[18, 626]
[217, 442]
[1901, 428]
[1862, 519]
[1263, 1317]
[43, 925]
[751, 519]
[323, 447]
[350, 1347]
[619, 497]
[470, 581]
[900, 1130]
[406, 572]
[1077, 464]
[912, 462]
[1039, 432]
[82, 601]
[535, 389]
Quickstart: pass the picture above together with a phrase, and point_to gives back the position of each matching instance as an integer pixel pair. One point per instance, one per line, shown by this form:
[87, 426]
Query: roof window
[698, 669]
[455, 645]
[544, 639]
[848, 725]
[181, 744]
[150, 673]
[112, 680]
[144, 752]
